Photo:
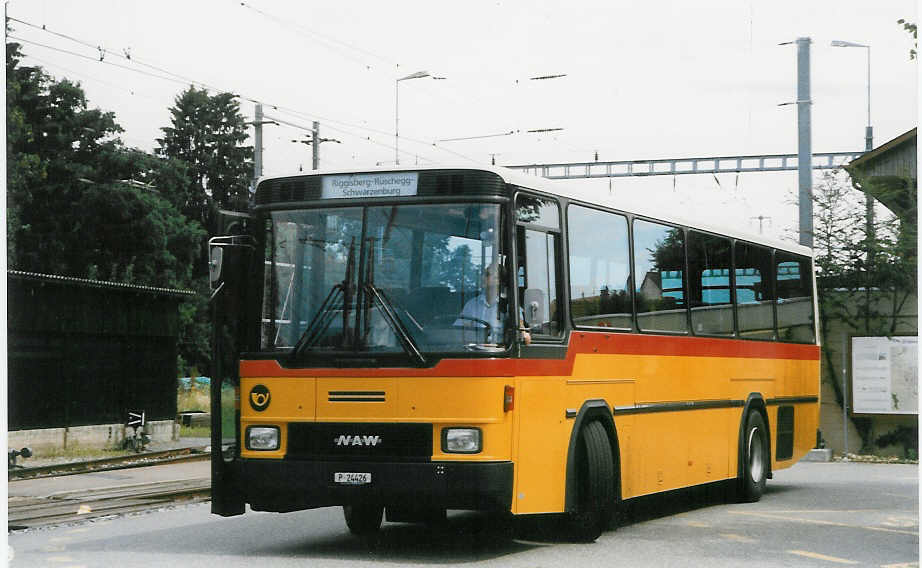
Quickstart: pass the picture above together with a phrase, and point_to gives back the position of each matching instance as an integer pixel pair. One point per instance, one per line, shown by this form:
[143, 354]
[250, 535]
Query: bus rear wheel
[363, 519]
[596, 484]
[755, 461]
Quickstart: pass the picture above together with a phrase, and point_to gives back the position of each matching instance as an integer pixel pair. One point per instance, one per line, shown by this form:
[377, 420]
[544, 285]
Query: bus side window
[537, 269]
[659, 277]
[709, 284]
[794, 285]
[754, 292]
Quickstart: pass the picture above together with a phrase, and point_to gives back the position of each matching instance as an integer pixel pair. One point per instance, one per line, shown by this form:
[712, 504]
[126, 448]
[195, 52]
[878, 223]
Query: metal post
[804, 152]
[258, 142]
[868, 198]
[315, 134]
[845, 393]
[869, 131]
[397, 122]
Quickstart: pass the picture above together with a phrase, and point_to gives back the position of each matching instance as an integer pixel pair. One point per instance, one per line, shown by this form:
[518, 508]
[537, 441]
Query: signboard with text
[885, 375]
[364, 186]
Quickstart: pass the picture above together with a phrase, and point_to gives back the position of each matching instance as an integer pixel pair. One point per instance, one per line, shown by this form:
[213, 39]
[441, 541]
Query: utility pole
[315, 147]
[258, 140]
[804, 150]
[761, 219]
[315, 140]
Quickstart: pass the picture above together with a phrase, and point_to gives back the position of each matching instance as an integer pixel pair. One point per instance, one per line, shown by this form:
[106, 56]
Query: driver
[483, 307]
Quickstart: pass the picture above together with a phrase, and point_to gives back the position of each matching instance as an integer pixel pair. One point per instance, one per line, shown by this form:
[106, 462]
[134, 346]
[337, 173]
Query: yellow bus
[402, 342]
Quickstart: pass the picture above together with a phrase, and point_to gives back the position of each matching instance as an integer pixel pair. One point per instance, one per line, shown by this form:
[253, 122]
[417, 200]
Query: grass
[75, 453]
[193, 399]
[194, 432]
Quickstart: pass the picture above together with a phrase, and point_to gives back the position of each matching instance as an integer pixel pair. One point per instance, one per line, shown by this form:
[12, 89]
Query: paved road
[812, 515]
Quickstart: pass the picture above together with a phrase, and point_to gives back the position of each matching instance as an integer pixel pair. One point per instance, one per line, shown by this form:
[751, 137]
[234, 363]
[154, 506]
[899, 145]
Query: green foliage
[904, 436]
[77, 199]
[210, 168]
[208, 135]
[911, 29]
[81, 204]
[865, 272]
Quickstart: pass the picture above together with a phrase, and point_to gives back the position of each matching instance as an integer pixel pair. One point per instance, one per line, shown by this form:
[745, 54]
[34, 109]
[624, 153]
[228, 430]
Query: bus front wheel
[363, 519]
[596, 484]
[755, 458]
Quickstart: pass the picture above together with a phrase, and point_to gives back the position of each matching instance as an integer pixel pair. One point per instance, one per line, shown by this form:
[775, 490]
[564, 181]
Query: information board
[885, 375]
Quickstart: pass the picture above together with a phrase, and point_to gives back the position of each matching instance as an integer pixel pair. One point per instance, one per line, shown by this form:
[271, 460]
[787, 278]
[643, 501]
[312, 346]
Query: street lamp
[868, 132]
[868, 144]
[417, 75]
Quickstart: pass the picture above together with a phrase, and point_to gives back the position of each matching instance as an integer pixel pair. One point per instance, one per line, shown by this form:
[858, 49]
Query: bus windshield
[386, 279]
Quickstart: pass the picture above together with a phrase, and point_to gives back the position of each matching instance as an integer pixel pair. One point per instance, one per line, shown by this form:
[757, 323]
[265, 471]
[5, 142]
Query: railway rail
[84, 504]
[121, 462]
[77, 505]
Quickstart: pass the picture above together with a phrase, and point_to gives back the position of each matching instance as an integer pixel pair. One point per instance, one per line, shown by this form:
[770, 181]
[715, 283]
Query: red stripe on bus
[580, 342]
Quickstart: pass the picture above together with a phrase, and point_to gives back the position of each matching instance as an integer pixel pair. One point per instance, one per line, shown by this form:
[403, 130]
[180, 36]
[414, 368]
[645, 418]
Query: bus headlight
[461, 440]
[262, 438]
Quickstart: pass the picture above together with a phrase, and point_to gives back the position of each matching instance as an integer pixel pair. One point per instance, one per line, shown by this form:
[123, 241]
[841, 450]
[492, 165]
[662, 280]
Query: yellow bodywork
[659, 451]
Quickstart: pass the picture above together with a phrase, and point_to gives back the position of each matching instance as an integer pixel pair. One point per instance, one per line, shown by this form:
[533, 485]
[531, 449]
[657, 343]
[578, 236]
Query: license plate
[351, 478]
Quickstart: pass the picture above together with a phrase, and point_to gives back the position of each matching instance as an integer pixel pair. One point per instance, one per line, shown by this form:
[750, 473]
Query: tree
[865, 274]
[910, 28]
[79, 203]
[208, 134]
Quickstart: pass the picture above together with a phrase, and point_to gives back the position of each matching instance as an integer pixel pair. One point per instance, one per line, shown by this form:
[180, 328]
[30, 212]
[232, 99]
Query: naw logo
[344, 440]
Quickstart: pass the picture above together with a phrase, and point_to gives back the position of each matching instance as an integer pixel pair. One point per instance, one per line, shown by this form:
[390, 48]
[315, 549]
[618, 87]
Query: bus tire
[363, 519]
[755, 458]
[596, 484]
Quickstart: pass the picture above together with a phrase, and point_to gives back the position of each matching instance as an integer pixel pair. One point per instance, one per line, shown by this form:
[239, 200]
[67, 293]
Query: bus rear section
[413, 445]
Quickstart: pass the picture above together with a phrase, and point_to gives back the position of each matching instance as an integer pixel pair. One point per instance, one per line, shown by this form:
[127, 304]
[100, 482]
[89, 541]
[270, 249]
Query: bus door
[230, 261]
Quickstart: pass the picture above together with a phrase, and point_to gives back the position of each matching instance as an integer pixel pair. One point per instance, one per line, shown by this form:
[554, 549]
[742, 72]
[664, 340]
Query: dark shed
[85, 352]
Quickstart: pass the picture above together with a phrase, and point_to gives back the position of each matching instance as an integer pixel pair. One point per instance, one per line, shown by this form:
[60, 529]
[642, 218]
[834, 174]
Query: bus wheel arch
[754, 437]
[593, 439]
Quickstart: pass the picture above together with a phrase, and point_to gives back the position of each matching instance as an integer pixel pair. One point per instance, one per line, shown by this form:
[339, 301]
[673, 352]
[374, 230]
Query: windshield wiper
[399, 329]
[339, 295]
[386, 309]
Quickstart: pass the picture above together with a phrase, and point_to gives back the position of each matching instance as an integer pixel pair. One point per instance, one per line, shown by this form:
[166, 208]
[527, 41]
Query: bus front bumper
[292, 485]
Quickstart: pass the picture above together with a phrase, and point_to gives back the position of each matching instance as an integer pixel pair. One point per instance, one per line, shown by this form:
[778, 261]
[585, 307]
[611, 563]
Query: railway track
[77, 505]
[80, 505]
[122, 462]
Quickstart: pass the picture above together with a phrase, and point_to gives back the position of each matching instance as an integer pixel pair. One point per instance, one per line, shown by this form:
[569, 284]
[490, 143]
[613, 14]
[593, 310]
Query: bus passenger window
[600, 269]
[794, 284]
[659, 277]
[540, 300]
[754, 292]
[709, 284]
[537, 273]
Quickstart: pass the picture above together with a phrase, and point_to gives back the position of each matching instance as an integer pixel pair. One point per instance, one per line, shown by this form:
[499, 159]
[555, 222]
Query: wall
[831, 419]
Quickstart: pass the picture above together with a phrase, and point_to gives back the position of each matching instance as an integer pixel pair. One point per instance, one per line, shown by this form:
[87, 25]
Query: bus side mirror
[214, 266]
[534, 307]
[228, 258]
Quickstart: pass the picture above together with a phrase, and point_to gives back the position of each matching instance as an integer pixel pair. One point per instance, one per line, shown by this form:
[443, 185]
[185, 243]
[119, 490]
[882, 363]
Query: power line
[176, 78]
[82, 56]
[322, 38]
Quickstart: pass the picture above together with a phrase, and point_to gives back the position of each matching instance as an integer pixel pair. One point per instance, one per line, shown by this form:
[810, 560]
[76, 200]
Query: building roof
[868, 157]
[86, 282]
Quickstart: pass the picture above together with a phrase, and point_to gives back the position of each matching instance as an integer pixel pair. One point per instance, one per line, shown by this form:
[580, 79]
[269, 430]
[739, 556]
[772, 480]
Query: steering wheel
[486, 327]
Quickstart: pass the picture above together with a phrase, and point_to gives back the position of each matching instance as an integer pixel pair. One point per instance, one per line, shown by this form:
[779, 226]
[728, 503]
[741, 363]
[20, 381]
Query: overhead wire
[176, 78]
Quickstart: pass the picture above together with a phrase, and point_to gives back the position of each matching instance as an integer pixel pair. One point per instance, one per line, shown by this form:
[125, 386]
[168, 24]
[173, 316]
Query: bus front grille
[359, 441]
[356, 396]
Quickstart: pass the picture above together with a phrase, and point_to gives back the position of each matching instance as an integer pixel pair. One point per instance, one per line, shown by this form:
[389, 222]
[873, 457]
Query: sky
[642, 80]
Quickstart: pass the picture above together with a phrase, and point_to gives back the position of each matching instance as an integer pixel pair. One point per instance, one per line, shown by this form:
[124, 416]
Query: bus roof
[566, 189]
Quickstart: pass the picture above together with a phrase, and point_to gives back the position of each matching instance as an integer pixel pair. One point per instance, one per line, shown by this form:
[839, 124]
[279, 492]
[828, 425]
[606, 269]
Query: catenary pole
[804, 151]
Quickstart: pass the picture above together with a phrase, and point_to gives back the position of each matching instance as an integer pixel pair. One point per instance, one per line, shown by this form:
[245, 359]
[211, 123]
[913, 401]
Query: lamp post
[868, 131]
[868, 146]
[417, 75]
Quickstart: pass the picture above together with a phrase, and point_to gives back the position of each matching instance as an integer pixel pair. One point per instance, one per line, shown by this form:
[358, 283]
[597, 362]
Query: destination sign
[398, 184]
